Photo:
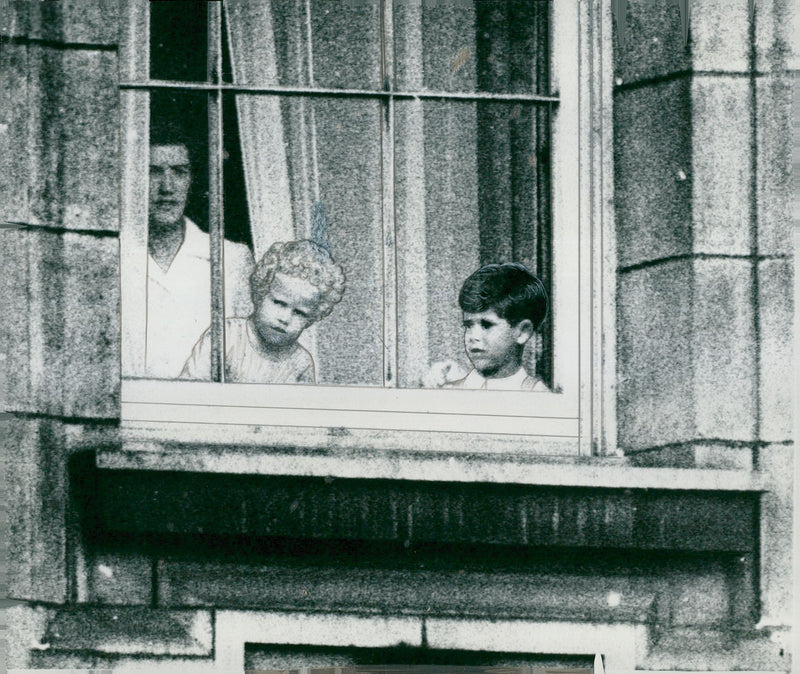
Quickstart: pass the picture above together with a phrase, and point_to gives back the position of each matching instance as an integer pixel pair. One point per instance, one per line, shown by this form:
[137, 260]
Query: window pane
[178, 35]
[314, 43]
[312, 169]
[498, 46]
[178, 269]
[472, 189]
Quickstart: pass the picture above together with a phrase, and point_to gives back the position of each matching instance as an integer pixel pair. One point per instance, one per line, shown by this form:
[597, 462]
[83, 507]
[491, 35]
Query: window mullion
[215, 216]
[389, 238]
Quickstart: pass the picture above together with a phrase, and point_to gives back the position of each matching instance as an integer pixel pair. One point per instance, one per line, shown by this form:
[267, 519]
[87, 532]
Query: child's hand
[443, 372]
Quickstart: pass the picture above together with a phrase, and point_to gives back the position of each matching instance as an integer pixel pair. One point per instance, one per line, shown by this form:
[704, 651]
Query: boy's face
[493, 345]
[287, 309]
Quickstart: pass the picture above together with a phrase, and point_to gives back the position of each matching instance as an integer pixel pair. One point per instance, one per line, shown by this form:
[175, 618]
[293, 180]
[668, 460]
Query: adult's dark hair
[168, 132]
[509, 289]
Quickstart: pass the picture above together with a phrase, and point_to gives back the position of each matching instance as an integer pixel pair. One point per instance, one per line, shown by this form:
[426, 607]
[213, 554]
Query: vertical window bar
[215, 219]
[544, 237]
[389, 238]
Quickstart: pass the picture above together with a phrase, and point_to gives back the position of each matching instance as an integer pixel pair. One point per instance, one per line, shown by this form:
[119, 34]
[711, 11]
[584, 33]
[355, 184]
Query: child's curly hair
[302, 259]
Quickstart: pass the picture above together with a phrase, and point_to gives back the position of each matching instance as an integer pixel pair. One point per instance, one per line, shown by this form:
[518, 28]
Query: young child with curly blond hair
[294, 285]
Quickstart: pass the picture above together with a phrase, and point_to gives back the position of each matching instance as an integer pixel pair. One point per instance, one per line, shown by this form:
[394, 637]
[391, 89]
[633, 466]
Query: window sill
[338, 458]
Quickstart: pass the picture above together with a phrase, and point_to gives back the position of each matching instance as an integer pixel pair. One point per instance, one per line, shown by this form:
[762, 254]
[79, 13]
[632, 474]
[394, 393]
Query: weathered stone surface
[14, 151]
[122, 577]
[720, 35]
[74, 119]
[289, 586]
[722, 165]
[46, 486]
[697, 454]
[774, 34]
[719, 39]
[655, 401]
[654, 42]
[14, 18]
[36, 477]
[774, 164]
[64, 295]
[776, 359]
[25, 628]
[76, 21]
[777, 548]
[724, 349]
[653, 172]
[686, 353]
[147, 502]
[128, 630]
[14, 334]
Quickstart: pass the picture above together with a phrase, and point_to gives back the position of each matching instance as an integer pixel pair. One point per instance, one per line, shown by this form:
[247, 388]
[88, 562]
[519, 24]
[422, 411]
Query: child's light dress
[247, 362]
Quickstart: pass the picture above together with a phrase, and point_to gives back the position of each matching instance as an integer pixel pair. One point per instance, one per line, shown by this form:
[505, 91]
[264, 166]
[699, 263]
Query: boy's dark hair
[509, 289]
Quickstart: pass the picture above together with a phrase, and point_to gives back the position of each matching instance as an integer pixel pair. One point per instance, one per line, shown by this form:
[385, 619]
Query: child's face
[492, 344]
[287, 309]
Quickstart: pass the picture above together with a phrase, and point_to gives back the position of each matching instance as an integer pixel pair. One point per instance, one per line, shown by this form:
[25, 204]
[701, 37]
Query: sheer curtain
[254, 60]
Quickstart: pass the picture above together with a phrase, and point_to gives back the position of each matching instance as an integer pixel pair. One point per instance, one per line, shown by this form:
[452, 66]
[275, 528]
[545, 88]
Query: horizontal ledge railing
[350, 93]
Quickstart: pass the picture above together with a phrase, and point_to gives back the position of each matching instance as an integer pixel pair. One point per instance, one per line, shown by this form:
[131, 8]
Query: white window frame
[577, 420]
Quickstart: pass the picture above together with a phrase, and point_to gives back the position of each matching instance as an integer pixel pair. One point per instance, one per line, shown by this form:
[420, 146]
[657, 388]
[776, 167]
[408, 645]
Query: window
[419, 140]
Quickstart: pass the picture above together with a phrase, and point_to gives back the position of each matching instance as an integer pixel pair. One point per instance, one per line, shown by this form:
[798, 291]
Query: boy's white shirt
[513, 382]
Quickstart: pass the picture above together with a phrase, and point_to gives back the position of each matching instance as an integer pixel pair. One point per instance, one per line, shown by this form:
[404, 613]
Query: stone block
[130, 630]
[74, 179]
[653, 172]
[777, 548]
[287, 585]
[654, 356]
[718, 40]
[774, 34]
[686, 353]
[724, 349]
[14, 332]
[654, 44]
[78, 21]
[721, 456]
[722, 165]
[700, 596]
[720, 35]
[44, 503]
[36, 477]
[776, 358]
[25, 627]
[120, 577]
[774, 162]
[14, 150]
[14, 18]
[65, 300]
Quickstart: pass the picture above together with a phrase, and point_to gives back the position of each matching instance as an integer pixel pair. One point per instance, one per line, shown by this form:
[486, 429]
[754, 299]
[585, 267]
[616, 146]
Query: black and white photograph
[385, 336]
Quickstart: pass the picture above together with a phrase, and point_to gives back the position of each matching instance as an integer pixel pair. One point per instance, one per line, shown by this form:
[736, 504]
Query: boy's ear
[524, 330]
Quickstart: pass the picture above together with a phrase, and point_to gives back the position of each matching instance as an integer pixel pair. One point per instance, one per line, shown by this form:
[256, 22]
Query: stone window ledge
[422, 466]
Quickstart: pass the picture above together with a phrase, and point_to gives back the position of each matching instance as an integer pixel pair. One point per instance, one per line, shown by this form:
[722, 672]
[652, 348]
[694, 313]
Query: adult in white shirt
[179, 266]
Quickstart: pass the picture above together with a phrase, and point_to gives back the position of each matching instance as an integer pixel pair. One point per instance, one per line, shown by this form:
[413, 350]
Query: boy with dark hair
[503, 306]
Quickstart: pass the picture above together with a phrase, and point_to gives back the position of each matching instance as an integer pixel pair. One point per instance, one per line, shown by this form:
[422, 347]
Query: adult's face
[170, 178]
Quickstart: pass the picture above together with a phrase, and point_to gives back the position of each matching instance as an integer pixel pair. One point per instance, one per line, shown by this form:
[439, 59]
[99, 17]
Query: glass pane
[312, 170]
[314, 43]
[473, 189]
[178, 268]
[497, 46]
[178, 40]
